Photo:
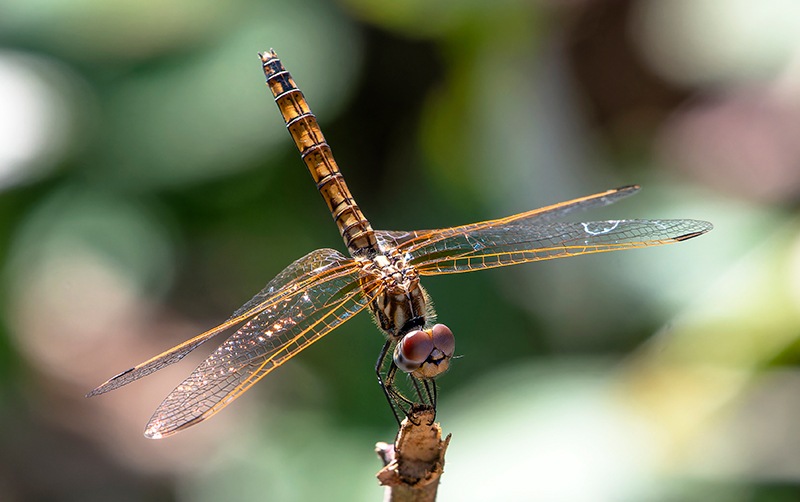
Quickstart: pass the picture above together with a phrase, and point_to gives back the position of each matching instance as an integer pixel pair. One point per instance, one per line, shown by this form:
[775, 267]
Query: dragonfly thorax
[402, 305]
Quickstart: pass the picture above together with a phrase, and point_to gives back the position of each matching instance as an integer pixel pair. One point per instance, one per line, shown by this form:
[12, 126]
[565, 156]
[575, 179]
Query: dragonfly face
[425, 353]
[320, 291]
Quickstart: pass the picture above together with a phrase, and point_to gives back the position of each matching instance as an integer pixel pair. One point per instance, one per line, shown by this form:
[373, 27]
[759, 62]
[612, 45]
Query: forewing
[296, 276]
[268, 340]
[409, 241]
[512, 241]
[319, 267]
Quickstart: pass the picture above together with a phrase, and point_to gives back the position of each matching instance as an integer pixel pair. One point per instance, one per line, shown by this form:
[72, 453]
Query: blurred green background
[149, 188]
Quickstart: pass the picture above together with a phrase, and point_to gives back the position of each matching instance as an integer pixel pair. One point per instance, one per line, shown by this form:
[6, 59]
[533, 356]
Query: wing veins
[277, 356]
[178, 352]
[547, 212]
[491, 251]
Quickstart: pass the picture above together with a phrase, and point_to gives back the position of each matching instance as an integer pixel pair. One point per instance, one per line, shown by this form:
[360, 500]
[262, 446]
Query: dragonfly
[324, 289]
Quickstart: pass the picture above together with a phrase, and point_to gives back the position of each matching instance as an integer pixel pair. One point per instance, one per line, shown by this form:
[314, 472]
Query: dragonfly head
[425, 353]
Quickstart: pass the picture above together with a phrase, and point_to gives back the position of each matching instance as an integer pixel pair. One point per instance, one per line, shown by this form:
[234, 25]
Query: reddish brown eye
[443, 339]
[412, 350]
[425, 353]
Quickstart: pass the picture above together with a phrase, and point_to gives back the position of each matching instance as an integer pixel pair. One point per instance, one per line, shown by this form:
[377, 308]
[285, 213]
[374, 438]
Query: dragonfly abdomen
[316, 154]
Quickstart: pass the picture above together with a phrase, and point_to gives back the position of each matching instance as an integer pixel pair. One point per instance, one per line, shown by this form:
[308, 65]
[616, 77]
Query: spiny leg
[400, 404]
[426, 392]
[432, 392]
[424, 388]
[387, 382]
[427, 397]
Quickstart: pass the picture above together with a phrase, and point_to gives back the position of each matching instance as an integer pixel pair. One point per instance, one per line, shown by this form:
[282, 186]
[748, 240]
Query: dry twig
[415, 463]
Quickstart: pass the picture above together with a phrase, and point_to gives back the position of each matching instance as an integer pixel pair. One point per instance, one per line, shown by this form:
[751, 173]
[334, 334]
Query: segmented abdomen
[315, 152]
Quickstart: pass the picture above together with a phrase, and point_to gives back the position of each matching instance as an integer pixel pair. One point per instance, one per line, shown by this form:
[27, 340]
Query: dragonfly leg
[401, 405]
[432, 391]
[426, 393]
[387, 383]
[429, 400]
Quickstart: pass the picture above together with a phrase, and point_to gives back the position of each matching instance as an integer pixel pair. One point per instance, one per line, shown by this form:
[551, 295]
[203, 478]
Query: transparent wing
[527, 241]
[322, 268]
[265, 342]
[534, 236]
[411, 240]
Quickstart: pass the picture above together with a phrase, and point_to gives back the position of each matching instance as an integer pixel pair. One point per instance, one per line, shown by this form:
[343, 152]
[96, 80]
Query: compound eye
[413, 350]
[443, 339]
